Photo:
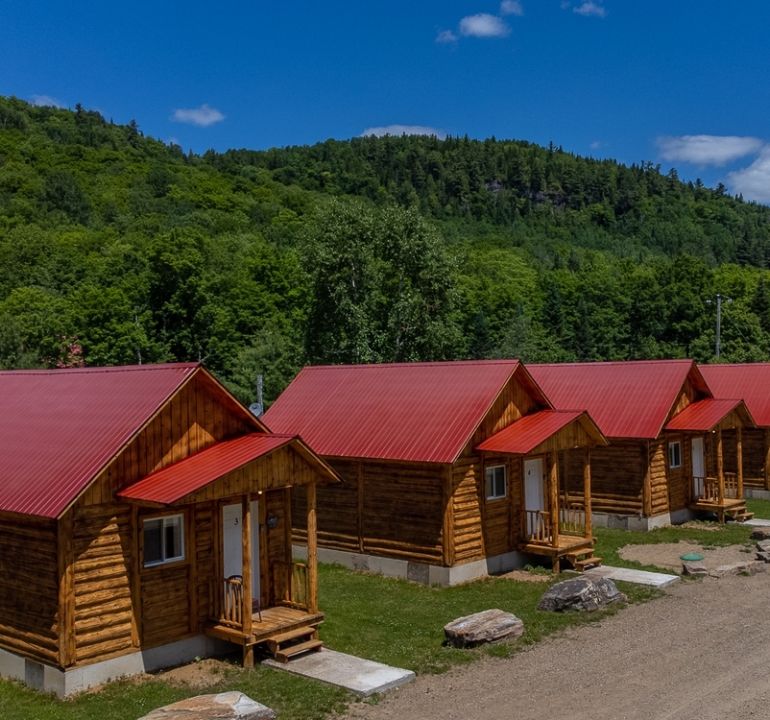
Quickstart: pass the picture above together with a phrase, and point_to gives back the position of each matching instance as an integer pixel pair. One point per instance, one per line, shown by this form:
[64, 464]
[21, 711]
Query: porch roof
[704, 415]
[172, 483]
[530, 431]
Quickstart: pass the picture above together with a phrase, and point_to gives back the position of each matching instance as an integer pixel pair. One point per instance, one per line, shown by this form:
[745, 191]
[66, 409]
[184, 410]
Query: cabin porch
[562, 528]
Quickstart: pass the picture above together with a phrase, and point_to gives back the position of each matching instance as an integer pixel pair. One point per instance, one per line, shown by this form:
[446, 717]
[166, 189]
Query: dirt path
[700, 653]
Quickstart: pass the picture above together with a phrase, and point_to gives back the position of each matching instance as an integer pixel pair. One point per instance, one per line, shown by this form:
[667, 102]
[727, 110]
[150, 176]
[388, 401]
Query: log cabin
[750, 381]
[666, 460]
[450, 469]
[145, 520]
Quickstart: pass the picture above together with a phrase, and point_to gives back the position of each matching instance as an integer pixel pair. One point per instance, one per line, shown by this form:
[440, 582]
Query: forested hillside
[116, 248]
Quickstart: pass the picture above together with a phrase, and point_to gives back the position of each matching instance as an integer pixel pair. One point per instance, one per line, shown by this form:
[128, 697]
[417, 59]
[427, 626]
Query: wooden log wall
[680, 479]
[29, 592]
[337, 510]
[381, 508]
[513, 402]
[278, 505]
[658, 464]
[469, 535]
[165, 593]
[754, 457]
[102, 584]
[207, 543]
[617, 475]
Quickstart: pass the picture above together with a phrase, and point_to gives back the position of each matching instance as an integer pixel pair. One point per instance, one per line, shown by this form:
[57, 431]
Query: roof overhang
[175, 482]
[530, 433]
[705, 415]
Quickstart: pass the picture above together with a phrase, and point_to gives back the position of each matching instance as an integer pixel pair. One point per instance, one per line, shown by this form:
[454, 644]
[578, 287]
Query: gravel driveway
[702, 652]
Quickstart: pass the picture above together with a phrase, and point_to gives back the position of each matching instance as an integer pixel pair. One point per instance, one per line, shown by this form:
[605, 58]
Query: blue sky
[681, 82]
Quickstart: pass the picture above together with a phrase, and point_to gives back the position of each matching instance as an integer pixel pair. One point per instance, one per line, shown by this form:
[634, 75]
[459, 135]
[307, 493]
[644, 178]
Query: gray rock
[755, 566]
[763, 546]
[696, 568]
[581, 593]
[763, 556]
[751, 567]
[222, 706]
[760, 533]
[483, 627]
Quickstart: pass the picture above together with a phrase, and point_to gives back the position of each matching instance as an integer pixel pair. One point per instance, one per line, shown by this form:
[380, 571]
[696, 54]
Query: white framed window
[163, 540]
[674, 454]
[494, 477]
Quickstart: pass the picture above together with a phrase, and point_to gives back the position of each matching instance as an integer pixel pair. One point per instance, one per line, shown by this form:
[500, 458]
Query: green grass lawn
[760, 508]
[389, 620]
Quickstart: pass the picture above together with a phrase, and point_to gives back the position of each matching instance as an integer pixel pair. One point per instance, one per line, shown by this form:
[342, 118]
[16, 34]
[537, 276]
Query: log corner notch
[66, 600]
[448, 524]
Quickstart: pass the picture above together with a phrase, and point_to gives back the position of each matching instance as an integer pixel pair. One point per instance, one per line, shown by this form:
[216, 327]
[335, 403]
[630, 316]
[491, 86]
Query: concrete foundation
[638, 522]
[419, 572]
[62, 683]
[756, 493]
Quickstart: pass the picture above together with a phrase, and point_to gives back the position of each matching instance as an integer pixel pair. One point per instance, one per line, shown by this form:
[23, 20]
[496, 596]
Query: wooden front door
[534, 492]
[698, 467]
[232, 544]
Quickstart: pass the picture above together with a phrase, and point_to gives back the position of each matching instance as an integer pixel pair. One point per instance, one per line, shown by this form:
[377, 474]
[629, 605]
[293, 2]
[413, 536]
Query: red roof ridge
[659, 361]
[104, 369]
[415, 363]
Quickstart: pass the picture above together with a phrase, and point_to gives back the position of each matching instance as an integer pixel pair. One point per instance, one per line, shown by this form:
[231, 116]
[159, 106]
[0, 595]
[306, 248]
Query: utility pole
[718, 343]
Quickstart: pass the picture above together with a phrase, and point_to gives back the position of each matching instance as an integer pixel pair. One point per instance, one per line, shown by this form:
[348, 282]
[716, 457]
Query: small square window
[163, 540]
[675, 454]
[494, 476]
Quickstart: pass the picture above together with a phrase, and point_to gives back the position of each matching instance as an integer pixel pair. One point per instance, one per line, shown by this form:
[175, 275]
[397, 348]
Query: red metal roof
[58, 428]
[629, 399]
[524, 435]
[703, 415]
[419, 412]
[174, 482]
[750, 381]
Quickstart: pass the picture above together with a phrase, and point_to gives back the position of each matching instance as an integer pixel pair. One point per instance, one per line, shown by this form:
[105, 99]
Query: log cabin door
[534, 491]
[232, 543]
[698, 467]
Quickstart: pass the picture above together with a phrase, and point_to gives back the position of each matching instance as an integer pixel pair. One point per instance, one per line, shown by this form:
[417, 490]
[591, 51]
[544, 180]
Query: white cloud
[403, 130]
[596, 144]
[483, 25]
[511, 7]
[590, 9]
[202, 116]
[45, 101]
[753, 182]
[446, 37]
[707, 149]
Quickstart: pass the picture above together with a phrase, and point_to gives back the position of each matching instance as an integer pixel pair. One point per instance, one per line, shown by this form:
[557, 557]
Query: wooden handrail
[226, 599]
[538, 526]
[572, 519]
[290, 584]
[707, 487]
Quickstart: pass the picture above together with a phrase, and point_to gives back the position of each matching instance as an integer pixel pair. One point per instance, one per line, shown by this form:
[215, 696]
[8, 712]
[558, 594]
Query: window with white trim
[674, 454]
[163, 540]
[494, 476]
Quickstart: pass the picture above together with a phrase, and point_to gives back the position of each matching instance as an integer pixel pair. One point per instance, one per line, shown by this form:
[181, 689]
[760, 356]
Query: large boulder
[222, 706]
[581, 593]
[483, 627]
[760, 533]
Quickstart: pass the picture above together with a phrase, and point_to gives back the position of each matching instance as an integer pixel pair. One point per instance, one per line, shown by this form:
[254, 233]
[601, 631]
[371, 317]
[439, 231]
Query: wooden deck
[275, 621]
[565, 544]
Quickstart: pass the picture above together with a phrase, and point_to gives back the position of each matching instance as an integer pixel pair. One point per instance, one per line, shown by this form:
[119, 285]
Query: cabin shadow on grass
[389, 620]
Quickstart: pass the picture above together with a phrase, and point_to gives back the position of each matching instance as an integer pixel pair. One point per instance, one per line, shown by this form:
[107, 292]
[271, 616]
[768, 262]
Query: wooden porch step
[588, 562]
[308, 632]
[288, 653]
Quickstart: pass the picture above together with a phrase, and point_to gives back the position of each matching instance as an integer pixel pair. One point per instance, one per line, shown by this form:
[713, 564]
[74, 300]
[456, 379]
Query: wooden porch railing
[538, 526]
[707, 488]
[226, 601]
[572, 519]
[290, 584]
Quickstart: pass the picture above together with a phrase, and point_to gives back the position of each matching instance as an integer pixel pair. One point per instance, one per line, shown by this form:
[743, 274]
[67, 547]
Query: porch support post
[312, 549]
[767, 459]
[720, 475]
[739, 458]
[246, 572]
[553, 498]
[587, 492]
[647, 482]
